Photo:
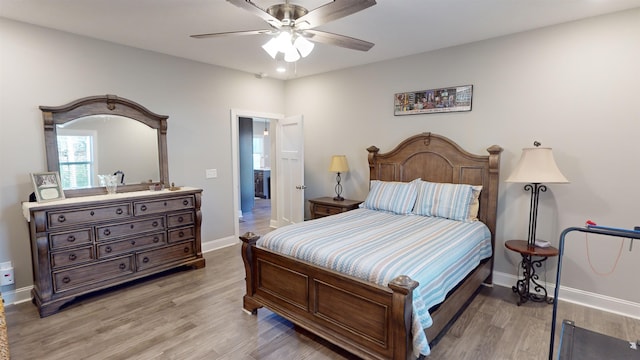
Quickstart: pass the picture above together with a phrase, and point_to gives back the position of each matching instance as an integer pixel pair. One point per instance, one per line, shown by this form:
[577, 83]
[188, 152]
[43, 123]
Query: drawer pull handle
[71, 238]
[107, 232]
[66, 279]
[186, 249]
[122, 266]
[108, 249]
[165, 203]
[119, 211]
[132, 226]
[61, 218]
[156, 239]
[92, 213]
[145, 259]
[154, 224]
[181, 234]
[185, 202]
[180, 219]
[72, 257]
[133, 242]
[143, 207]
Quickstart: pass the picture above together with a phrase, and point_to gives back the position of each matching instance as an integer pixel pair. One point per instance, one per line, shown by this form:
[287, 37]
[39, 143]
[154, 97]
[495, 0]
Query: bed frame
[368, 320]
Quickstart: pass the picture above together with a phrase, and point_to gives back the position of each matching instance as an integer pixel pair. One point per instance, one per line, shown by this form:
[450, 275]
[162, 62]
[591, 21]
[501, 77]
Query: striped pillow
[450, 201]
[395, 197]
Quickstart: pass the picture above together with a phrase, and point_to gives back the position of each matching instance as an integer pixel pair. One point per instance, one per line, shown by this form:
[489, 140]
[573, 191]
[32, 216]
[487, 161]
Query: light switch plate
[211, 173]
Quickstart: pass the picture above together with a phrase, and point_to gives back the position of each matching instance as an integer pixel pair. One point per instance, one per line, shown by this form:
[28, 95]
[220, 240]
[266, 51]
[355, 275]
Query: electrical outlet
[6, 274]
[211, 173]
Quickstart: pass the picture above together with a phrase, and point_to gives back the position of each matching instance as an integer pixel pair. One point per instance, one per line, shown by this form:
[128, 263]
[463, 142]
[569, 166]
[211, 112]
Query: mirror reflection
[106, 145]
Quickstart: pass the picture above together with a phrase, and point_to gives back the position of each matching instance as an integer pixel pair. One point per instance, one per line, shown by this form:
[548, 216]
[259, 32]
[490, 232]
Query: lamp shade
[537, 165]
[339, 164]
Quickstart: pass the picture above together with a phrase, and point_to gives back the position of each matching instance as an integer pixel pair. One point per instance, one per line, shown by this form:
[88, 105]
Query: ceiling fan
[292, 26]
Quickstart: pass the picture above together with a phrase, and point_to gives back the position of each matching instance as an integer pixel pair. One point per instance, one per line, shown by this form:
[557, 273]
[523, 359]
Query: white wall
[44, 67]
[572, 87]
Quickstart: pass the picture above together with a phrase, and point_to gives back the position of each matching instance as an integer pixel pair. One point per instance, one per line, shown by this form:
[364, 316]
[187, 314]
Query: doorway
[286, 167]
[254, 149]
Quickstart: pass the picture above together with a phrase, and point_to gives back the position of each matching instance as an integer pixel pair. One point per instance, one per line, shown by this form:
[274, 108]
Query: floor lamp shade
[536, 166]
[338, 165]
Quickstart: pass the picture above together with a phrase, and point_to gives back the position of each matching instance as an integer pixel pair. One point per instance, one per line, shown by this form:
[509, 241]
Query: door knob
[301, 187]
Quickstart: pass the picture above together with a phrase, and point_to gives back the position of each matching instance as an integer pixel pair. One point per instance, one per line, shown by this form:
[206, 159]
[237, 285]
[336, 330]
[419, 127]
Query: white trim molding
[580, 297]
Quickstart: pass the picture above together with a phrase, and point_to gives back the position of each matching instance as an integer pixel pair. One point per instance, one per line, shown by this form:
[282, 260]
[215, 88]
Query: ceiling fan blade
[331, 11]
[337, 40]
[254, 9]
[232, 33]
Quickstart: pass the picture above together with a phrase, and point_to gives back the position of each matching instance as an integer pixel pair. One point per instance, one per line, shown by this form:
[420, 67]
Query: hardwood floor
[197, 314]
[258, 219]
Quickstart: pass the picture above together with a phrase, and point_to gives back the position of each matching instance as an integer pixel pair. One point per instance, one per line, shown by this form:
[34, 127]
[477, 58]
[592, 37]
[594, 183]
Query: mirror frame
[103, 105]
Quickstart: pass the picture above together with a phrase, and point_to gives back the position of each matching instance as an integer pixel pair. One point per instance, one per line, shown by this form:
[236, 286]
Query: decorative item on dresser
[325, 206]
[85, 244]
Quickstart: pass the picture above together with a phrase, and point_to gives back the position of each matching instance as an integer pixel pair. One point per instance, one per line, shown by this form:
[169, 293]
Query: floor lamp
[536, 166]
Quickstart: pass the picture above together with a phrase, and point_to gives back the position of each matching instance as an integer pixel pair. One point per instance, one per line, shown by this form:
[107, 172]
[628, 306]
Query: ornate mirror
[105, 135]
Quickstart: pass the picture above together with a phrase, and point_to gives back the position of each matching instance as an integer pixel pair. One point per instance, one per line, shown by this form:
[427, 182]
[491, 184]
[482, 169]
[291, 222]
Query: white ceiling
[397, 27]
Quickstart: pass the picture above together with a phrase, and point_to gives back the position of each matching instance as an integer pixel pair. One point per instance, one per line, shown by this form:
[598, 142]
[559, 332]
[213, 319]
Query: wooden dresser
[85, 244]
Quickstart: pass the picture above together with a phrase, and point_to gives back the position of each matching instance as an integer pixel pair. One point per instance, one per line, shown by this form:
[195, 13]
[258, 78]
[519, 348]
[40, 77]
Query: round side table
[529, 281]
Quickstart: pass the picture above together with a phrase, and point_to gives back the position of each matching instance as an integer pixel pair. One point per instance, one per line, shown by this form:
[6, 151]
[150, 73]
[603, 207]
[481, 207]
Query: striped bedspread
[378, 246]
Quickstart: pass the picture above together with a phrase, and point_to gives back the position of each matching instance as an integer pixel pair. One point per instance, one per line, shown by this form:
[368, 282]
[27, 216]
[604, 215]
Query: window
[76, 157]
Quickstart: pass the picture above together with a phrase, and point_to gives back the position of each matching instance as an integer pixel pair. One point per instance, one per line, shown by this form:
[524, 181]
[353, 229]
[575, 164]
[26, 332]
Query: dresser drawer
[108, 232]
[129, 245]
[322, 210]
[158, 206]
[186, 218]
[71, 257]
[88, 214]
[92, 273]
[180, 234]
[166, 255]
[70, 238]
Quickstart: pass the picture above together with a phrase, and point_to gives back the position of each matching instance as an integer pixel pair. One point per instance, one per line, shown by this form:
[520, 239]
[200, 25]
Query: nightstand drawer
[323, 210]
[325, 206]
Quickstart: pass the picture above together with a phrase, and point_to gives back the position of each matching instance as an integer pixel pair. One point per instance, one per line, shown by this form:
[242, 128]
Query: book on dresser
[84, 244]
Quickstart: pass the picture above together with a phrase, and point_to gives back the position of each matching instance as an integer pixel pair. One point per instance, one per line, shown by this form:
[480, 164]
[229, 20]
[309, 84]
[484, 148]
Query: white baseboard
[17, 296]
[219, 243]
[580, 297]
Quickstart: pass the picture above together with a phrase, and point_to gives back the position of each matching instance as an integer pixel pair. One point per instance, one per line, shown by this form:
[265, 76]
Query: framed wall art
[47, 186]
[449, 99]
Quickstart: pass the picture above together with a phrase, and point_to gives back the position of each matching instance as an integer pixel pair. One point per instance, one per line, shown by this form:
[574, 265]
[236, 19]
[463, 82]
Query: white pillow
[392, 196]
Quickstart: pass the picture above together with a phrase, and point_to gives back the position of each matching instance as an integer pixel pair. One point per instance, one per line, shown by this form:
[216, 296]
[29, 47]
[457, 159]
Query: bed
[368, 319]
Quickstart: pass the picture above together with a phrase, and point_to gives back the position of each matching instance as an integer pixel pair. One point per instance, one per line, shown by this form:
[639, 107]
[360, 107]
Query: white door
[290, 169]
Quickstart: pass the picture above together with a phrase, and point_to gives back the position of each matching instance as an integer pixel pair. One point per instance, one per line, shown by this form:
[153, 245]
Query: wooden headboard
[435, 158]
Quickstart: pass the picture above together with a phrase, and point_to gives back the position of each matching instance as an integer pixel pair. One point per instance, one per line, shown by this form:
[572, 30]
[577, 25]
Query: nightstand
[530, 279]
[326, 206]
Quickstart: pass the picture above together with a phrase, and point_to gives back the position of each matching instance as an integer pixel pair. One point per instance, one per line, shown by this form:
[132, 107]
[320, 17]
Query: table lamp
[536, 166]
[338, 165]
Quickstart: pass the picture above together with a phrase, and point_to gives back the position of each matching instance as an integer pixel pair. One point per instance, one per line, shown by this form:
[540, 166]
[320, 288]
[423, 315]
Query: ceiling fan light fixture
[303, 45]
[291, 54]
[271, 47]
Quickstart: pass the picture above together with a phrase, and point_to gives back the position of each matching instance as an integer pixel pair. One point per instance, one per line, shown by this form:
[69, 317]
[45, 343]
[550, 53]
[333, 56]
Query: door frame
[236, 114]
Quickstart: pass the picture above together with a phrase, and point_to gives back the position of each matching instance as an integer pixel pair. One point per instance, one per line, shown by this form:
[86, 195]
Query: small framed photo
[47, 186]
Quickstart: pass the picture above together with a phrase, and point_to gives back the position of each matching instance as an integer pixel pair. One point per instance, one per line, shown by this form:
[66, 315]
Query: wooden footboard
[371, 321]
